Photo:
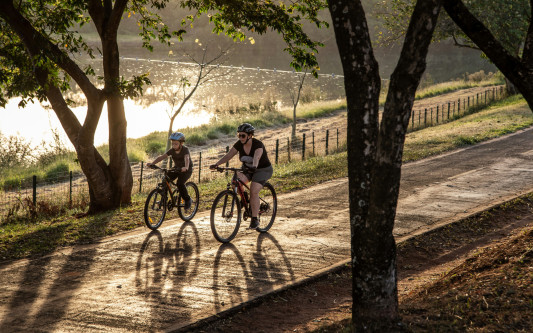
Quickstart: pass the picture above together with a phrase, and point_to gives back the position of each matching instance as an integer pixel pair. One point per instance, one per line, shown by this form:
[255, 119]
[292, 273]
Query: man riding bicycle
[253, 155]
[182, 164]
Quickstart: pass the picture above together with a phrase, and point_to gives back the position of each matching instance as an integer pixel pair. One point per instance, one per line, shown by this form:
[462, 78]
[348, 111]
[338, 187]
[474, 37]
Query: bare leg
[254, 197]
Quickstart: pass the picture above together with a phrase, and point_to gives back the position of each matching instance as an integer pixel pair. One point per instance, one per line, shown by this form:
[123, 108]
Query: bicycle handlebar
[241, 169]
[222, 169]
[155, 167]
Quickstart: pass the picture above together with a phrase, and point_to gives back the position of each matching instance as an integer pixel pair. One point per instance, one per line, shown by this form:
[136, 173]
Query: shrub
[57, 172]
[196, 139]
[155, 148]
[136, 156]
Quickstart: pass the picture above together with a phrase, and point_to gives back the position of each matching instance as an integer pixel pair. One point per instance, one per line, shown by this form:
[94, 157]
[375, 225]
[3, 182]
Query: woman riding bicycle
[182, 164]
[253, 155]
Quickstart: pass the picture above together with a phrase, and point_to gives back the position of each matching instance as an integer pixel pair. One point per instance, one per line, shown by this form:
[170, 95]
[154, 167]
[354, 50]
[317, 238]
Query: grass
[154, 143]
[501, 118]
[29, 236]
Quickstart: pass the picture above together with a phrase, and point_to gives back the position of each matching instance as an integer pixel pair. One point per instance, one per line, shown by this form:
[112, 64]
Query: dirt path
[179, 275]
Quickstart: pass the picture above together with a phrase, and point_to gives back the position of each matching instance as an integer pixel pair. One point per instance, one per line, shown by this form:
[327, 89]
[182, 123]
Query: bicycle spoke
[267, 207]
[225, 216]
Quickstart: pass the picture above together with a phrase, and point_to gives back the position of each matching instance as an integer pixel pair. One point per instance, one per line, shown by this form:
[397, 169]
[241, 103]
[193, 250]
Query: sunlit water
[229, 87]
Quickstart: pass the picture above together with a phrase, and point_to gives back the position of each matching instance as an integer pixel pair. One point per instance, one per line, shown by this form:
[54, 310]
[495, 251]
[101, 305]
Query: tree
[295, 98]
[517, 68]
[375, 152]
[507, 22]
[39, 44]
[205, 70]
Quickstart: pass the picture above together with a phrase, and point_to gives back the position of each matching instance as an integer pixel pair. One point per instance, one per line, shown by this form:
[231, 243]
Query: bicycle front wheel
[225, 216]
[155, 209]
[188, 214]
[268, 207]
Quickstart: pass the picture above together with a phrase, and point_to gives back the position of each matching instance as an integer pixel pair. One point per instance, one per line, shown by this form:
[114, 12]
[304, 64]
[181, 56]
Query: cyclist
[253, 155]
[182, 164]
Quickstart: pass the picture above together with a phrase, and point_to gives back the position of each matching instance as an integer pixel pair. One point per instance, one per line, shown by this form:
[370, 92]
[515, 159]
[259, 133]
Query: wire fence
[426, 117]
[70, 189]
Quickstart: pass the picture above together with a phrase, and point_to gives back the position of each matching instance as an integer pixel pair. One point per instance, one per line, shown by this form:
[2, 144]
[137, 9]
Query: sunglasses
[242, 136]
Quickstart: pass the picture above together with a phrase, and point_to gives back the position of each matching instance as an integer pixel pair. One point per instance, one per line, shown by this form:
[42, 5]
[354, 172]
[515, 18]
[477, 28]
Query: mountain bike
[166, 196]
[226, 210]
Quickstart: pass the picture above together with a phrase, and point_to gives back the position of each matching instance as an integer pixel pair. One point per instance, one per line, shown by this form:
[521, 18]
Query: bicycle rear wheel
[225, 216]
[268, 207]
[188, 214]
[155, 208]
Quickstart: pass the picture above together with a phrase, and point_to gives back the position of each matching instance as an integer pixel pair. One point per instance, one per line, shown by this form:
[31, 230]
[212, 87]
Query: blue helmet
[177, 136]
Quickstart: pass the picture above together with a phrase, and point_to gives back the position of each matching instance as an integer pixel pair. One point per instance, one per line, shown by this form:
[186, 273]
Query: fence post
[431, 118]
[34, 190]
[469, 101]
[458, 106]
[70, 189]
[437, 114]
[337, 138]
[412, 119]
[313, 143]
[200, 168]
[289, 148]
[425, 117]
[303, 147]
[448, 110]
[327, 141]
[419, 114]
[277, 150]
[227, 163]
[140, 178]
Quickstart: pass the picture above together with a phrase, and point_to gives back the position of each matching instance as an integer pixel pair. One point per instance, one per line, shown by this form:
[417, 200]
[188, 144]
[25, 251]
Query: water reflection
[237, 87]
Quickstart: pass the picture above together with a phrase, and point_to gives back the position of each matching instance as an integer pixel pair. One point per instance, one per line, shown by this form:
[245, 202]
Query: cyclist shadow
[164, 268]
[236, 279]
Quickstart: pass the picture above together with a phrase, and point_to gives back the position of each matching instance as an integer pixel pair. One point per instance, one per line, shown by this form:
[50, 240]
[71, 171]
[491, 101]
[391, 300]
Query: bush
[57, 172]
[155, 148]
[136, 156]
[196, 139]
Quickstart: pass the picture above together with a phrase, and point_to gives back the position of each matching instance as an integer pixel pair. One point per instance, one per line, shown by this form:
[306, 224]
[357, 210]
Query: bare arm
[187, 161]
[158, 159]
[257, 156]
[232, 152]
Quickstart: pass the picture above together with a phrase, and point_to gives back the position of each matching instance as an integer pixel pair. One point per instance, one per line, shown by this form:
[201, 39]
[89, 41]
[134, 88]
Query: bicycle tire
[268, 207]
[155, 208]
[188, 214]
[225, 222]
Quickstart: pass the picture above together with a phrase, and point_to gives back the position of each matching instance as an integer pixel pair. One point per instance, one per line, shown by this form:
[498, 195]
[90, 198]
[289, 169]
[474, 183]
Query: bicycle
[158, 201]
[227, 206]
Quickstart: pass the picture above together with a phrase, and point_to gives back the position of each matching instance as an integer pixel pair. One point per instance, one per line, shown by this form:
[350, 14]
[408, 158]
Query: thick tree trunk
[375, 153]
[518, 71]
[109, 185]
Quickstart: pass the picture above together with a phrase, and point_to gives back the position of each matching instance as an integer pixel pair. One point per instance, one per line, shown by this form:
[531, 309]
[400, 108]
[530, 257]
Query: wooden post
[327, 141]
[200, 168]
[140, 178]
[34, 190]
[277, 150]
[303, 147]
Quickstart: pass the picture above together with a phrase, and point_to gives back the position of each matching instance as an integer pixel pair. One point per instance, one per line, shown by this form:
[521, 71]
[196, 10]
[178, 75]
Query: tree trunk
[109, 185]
[518, 71]
[375, 153]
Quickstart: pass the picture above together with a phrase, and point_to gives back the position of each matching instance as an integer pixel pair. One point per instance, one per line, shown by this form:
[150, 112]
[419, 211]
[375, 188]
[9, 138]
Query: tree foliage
[508, 20]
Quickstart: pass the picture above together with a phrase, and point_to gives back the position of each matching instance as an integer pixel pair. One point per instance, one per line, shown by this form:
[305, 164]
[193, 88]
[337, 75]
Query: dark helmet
[246, 128]
[177, 136]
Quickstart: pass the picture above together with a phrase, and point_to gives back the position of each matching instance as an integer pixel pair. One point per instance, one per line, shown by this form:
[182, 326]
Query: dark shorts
[261, 176]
